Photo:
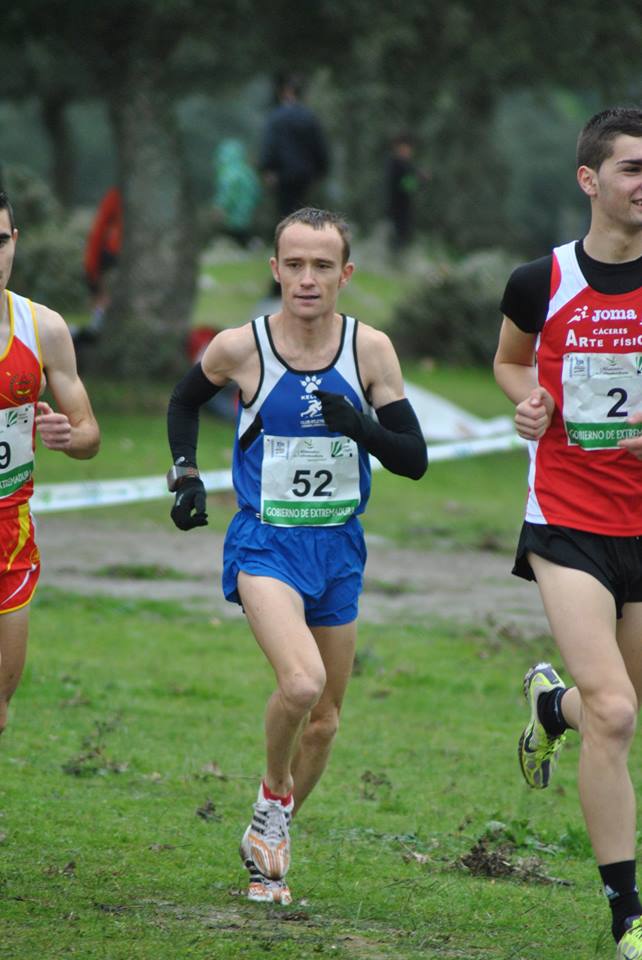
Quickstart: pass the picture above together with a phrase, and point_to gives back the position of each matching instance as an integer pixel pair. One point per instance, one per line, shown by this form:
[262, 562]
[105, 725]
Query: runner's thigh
[581, 613]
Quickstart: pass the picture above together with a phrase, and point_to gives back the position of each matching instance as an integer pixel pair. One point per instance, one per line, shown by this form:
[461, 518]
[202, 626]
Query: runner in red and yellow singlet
[35, 350]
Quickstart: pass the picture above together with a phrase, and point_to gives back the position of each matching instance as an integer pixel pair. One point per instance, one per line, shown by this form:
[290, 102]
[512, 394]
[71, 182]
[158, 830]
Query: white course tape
[54, 497]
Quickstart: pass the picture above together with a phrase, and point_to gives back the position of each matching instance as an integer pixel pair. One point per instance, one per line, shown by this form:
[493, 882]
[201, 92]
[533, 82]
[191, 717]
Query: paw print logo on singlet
[310, 384]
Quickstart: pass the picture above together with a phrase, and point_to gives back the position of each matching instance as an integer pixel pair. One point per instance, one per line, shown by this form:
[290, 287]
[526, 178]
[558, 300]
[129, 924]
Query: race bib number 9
[601, 391]
[16, 447]
[309, 481]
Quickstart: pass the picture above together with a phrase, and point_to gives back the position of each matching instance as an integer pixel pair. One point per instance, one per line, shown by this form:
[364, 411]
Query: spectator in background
[294, 152]
[237, 190]
[102, 251]
[403, 181]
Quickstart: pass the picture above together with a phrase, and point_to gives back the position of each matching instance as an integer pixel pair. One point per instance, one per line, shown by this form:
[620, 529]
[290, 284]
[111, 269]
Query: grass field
[134, 751]
[133, 757]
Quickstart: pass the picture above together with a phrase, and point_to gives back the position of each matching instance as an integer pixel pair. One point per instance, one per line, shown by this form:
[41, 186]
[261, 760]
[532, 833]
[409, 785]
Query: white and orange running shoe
[262, 889]
[266, 842]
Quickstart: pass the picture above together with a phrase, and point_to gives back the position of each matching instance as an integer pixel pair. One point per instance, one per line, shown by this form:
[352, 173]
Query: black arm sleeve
[396, 441]
[188, 396]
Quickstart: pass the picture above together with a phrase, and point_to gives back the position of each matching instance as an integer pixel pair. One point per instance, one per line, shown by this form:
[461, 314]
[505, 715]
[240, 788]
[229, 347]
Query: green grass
[134, 716]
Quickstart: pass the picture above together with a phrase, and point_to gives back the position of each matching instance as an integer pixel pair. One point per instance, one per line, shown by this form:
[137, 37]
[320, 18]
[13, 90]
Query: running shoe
[630, 945]
[538, 752]
[266, 842]
[261, 889]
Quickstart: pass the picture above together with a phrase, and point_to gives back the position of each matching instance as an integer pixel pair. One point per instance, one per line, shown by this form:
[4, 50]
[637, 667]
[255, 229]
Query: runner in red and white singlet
[570, 358]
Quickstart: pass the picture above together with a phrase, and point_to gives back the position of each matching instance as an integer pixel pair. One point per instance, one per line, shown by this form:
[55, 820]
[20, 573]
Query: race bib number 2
[309, 481]
[16, 447]
[601, 391]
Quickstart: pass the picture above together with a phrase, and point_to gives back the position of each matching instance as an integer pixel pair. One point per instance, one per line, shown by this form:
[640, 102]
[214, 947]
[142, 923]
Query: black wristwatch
[177, 473]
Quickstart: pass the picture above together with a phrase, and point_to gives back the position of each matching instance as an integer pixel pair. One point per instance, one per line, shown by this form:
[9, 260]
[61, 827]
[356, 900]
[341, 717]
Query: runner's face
[7, 248]
[310, 270]
[618, 184]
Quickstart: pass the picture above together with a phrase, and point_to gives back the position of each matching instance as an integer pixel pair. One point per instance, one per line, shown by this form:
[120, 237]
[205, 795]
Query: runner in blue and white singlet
[319, 394]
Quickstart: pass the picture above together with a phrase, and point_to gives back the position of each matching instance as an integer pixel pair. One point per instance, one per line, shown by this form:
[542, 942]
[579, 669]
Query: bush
[453, 316]
[32, 200]
[48, 267]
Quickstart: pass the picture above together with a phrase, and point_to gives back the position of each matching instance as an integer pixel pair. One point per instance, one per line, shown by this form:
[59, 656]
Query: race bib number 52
[309, 481]
[601, 390]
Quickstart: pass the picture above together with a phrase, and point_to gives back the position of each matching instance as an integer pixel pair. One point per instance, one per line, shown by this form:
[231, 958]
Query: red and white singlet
[589, 358]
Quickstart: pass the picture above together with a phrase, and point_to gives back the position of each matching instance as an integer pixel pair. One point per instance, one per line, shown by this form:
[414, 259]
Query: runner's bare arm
[232, 355]
[396, 440]
[72, 429]
[379, 366]
[516, 374]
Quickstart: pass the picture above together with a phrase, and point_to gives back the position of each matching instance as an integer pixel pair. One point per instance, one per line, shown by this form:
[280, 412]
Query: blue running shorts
[323, 564]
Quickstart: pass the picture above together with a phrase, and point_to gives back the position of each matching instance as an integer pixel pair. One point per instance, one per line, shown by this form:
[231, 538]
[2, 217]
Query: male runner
[294, 554]
[35, 350]
[570, 357]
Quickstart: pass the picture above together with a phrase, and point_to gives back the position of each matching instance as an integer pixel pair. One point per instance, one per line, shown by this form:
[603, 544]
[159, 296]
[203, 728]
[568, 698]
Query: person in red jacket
[103, 248]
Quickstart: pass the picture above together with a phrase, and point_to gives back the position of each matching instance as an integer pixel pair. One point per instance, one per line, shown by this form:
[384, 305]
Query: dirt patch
[472, 587]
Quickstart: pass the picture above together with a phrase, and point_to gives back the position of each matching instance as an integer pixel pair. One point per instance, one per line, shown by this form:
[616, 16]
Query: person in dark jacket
[294, 152]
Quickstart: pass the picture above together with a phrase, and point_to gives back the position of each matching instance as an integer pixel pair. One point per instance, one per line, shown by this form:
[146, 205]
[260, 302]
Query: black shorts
[616, 562]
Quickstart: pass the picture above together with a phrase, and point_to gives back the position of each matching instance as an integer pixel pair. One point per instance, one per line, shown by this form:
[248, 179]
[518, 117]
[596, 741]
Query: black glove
[339, 414]
[189, 496]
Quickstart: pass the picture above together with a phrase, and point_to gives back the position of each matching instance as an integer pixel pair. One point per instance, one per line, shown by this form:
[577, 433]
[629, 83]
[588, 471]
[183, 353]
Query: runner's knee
[301, 691]
[609, 716]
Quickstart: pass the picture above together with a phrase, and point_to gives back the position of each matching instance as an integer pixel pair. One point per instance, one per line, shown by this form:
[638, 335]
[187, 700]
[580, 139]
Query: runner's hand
[633, 444]
[54, 428]
[190, 496]
[534, 414]
[339, 414]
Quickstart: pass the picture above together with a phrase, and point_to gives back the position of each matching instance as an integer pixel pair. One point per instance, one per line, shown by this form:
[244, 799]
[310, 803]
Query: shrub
[48, 267]
[453, 315]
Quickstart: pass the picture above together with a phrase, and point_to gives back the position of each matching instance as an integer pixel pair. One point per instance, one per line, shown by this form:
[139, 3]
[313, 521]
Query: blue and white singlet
[289, 469]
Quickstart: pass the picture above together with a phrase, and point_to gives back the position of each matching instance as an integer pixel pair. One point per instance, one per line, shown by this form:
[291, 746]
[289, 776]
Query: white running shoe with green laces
[630, 945]
[538, 752]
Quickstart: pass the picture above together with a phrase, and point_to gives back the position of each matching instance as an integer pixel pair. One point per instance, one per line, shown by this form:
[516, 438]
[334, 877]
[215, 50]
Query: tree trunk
[154, 289]
[54, 117]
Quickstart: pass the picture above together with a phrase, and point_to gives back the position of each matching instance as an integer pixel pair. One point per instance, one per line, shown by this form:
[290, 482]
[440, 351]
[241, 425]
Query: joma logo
[614, 315]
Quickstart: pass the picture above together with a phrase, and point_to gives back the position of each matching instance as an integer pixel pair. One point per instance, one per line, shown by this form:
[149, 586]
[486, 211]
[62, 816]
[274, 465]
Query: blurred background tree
[138, 93]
